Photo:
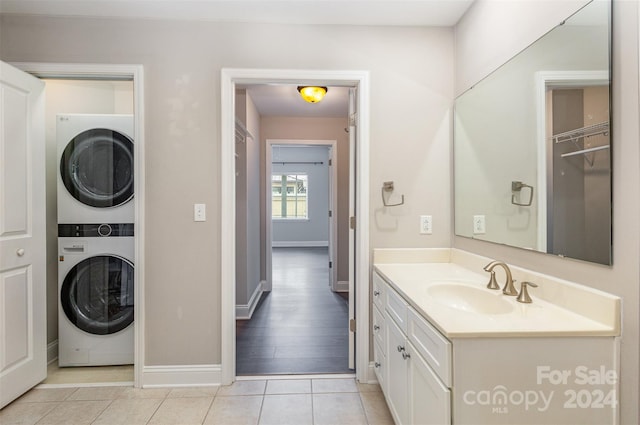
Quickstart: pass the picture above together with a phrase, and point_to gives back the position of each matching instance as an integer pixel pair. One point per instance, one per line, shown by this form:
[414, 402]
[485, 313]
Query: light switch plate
[199, 212]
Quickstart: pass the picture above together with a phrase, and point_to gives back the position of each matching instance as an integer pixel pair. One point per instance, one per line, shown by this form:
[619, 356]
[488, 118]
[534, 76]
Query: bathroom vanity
[449, 350]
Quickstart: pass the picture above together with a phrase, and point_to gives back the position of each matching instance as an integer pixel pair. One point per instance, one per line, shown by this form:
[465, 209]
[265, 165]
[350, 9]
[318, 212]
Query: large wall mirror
[532, 145]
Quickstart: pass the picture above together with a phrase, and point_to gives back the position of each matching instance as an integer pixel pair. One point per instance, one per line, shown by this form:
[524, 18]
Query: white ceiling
[338, 12]
[285, 101]
[269, 99]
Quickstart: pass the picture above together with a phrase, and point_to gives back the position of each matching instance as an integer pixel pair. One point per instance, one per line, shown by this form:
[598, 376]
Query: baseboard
[341, 286]
[245, 311]
[371, 374]
[299, 244]
[182, 376]
[52, 351]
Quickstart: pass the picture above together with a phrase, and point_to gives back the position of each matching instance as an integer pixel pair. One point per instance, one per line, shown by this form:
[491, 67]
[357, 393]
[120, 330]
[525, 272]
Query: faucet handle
[493, 284]
[523, 296]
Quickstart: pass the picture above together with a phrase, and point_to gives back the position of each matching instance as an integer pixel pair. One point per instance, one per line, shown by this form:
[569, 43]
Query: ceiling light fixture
[312, 94]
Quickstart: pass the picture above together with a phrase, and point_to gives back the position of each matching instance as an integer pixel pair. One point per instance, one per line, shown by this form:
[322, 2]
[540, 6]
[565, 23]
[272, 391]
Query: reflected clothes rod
[597, 148]
[298, 162]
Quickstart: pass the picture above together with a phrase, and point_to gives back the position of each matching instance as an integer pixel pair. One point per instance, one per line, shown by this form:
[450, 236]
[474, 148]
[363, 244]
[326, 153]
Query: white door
[352, 232]
[23, 351]
[332, 177]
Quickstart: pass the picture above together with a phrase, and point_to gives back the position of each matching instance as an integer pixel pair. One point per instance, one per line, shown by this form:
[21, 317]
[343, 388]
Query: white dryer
[95, 294]
[95, 168]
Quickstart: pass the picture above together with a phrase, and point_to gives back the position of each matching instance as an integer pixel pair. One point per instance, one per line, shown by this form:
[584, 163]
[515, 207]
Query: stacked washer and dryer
[95, 239]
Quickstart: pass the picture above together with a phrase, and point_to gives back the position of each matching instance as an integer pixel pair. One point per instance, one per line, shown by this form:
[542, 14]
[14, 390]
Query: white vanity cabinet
[415, 392]
[488, 378]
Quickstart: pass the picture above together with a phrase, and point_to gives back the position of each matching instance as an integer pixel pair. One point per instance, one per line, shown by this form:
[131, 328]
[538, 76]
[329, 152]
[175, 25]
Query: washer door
[97, 168]
[97, 294]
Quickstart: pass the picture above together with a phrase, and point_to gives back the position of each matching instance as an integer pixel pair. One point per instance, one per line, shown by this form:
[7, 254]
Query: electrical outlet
[479, 225]
[426, 225]
[199, 212]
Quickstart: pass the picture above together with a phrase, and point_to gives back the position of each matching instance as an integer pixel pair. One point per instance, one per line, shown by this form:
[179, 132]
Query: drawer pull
[376, 327]
[376, 293]
[406, 356]
[400, 348]
[377, 364]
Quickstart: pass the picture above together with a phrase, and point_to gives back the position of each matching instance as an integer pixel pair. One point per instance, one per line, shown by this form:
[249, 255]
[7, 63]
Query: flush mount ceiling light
[312, 94]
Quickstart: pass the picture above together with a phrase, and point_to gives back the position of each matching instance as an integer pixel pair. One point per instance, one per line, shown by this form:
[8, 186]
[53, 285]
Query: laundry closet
[90, 232]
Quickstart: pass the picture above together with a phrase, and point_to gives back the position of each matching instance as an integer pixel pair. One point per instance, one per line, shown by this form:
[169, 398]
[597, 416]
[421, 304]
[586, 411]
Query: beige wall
[248, 220]
[479, 50]
[411, 78]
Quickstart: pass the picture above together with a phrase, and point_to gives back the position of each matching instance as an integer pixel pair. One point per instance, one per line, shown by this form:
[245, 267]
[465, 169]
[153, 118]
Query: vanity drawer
[397, 308]
[379, 328]
[379, 286]
[429, 342]
[379, 367]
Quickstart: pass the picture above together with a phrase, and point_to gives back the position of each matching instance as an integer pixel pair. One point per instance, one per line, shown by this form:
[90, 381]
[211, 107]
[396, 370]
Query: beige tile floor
[283, 401]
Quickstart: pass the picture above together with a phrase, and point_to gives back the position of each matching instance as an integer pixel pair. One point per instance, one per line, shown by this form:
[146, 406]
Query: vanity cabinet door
[397, 308]
[379, 286]
[431, 344]
[378, 327]
[396, 373]
[380, 366]
[429, 399]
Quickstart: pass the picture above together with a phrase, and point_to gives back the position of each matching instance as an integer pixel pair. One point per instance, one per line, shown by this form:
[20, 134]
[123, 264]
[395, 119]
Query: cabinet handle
[376, 293]
[376, 327]
[20, 252]
[400, 348]
[406, 356]
[377, 364]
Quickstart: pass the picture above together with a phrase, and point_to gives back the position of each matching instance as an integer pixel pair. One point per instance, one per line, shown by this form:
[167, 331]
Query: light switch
[199, 212]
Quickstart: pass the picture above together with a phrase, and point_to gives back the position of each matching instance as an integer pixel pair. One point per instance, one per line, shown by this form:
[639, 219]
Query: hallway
[301, 327]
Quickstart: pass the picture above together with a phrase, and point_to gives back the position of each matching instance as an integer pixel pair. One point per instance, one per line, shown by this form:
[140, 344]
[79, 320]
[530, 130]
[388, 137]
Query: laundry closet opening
[90, 230]
[292, 237]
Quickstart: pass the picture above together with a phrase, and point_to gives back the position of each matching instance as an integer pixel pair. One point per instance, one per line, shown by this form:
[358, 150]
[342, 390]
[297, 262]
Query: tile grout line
[313, 416]
[157, 408]
[364, 411]
[209, 408]
[102, 411]
[262, 402]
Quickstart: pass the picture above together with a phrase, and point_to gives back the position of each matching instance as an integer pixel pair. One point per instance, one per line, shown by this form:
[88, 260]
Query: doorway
[298, 325]
[360, 262]
[100, 91]
[574, 163]
[308, 219]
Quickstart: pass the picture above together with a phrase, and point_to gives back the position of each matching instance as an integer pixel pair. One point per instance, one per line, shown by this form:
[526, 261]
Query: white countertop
[538, 319]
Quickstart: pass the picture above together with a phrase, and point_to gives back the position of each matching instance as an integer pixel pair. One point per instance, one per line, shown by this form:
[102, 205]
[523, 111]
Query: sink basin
[469, 298]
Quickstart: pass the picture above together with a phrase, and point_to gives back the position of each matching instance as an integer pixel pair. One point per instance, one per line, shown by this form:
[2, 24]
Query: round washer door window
[97, 168]
[97, 294]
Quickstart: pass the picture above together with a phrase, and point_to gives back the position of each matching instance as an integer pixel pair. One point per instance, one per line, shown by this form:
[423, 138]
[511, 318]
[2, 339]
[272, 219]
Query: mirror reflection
[532, 145]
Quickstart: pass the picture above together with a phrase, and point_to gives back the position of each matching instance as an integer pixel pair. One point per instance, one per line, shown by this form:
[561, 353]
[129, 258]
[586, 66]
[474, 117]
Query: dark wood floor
[301, 326]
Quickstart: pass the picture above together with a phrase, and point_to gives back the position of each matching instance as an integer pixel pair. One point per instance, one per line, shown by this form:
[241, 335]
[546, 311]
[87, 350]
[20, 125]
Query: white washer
[95, 295]
[95, 168]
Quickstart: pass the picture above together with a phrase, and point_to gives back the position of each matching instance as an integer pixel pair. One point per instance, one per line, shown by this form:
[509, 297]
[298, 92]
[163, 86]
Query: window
[289, 196]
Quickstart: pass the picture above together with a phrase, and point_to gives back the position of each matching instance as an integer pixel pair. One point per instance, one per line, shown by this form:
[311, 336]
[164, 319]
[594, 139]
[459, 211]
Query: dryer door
[97, 294]
[97, 168]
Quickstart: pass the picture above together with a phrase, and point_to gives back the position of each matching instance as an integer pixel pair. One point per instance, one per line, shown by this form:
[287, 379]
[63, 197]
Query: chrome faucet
[508, 288]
